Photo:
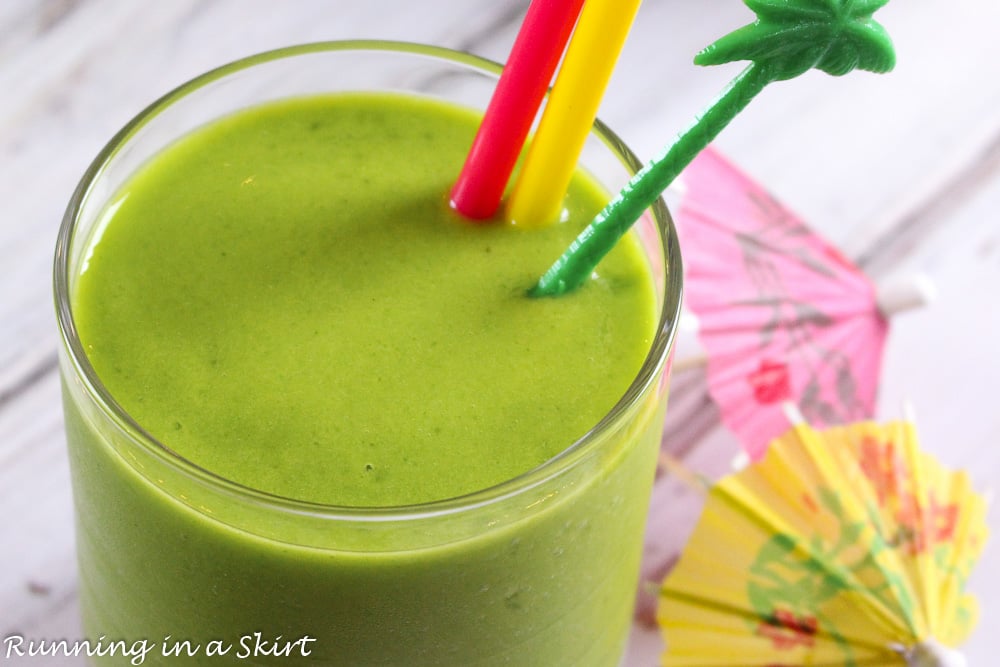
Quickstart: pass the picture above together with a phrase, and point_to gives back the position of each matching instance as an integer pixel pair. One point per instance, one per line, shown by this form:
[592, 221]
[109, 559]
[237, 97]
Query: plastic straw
[512, 109]
[536, 199]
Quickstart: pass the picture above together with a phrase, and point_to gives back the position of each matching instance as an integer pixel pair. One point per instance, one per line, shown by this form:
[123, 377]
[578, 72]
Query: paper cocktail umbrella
[841, 547]
[782, 315]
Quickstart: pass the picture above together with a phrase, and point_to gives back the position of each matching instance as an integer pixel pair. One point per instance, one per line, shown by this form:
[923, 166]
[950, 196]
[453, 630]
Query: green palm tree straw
[788, 38]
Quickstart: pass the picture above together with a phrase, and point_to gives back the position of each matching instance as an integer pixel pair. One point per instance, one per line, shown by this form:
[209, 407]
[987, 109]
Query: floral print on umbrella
[782, 314]
[846, 546]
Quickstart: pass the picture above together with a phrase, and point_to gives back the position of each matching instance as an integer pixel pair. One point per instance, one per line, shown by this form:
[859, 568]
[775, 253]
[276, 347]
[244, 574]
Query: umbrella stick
[690, 362]
[681, 471]
[931, 653]
[892, 297]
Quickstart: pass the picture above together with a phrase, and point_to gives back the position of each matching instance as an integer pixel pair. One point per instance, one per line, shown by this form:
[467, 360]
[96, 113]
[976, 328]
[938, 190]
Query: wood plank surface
[901, 171]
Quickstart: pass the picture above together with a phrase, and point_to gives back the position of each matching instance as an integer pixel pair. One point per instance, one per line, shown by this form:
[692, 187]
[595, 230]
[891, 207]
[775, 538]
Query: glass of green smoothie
[312, 415]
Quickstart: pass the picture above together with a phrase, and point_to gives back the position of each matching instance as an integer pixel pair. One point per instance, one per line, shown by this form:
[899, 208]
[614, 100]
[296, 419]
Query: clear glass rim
[648, 373]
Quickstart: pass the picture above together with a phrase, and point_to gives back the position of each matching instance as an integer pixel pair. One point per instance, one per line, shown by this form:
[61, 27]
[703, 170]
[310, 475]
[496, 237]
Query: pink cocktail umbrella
[782, 315]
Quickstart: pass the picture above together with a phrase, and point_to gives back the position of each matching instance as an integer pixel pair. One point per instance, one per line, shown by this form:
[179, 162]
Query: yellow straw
[536, 198]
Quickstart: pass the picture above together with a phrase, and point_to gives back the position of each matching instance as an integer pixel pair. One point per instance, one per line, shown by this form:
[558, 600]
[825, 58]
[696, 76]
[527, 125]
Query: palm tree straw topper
[788, 38]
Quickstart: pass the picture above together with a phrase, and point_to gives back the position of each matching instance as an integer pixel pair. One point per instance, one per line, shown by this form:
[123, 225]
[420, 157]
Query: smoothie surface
[285, 299]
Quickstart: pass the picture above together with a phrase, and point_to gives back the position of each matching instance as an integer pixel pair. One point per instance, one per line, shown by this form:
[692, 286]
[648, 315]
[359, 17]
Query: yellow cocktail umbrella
[848, 546]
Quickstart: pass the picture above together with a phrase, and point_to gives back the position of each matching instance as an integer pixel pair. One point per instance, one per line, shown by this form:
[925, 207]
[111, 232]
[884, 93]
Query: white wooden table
[900, 171]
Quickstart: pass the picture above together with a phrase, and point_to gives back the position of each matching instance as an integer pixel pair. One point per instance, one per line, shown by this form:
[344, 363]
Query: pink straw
[533, 58]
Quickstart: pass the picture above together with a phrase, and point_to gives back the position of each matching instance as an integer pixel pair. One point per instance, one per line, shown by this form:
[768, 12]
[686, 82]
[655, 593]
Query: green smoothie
[284, 300]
